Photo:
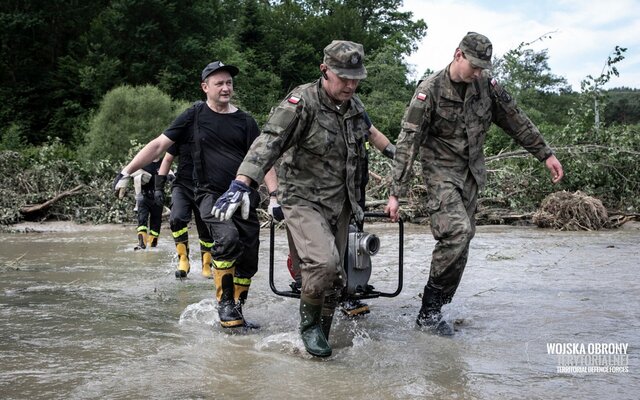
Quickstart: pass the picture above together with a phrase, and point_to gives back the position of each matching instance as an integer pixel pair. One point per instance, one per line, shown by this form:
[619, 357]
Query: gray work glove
[236, 196]
[275, 210]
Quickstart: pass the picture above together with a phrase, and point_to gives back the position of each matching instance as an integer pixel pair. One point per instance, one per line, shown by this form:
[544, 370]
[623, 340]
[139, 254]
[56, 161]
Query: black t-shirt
[184, 173]
[222, 139]
[151, 168]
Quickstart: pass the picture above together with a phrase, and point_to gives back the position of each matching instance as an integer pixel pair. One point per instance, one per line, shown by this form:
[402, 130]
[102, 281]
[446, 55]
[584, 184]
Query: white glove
[120, 184]
[275, 210]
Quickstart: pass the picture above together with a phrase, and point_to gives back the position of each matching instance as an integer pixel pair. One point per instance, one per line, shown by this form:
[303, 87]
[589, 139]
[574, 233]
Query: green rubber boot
[313, 338]
[328, 309]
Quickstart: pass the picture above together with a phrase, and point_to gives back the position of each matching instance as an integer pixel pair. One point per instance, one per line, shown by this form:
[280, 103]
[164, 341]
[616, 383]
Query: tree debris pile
[571, 212]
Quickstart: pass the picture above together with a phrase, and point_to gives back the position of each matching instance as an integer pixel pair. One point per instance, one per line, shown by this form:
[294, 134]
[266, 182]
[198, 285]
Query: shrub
[128, 114]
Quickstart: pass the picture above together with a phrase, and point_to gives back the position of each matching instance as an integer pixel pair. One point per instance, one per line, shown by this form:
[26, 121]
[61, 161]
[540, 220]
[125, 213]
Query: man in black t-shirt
[219, 135]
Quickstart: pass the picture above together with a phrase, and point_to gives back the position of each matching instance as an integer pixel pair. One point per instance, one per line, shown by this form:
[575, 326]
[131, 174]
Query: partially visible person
[320, 129]
[381, 143]
[446, 123]
[219, 135]
[183, 205]
[149, 213]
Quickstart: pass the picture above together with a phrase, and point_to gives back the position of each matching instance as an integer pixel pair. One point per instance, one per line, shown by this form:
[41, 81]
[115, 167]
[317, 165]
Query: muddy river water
[84, 316]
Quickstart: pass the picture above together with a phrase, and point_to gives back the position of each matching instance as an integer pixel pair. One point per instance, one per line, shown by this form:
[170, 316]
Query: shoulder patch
[421, 96]
[293, 99]
[494, 82]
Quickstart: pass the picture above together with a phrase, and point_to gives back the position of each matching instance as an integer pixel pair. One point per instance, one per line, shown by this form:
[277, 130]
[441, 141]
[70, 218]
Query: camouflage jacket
[323, 147]
[450, 131]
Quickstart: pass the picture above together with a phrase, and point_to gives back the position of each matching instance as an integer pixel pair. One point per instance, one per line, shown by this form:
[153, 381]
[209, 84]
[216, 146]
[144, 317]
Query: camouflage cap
[345, 59]
[478, 49]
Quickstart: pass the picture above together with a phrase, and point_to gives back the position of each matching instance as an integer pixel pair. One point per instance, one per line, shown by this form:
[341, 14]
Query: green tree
[290, 39]
[542, 95]
[585, 121]
[128, 115]
[33, 36]
[386, 91]
[623, 106]
[58, 59]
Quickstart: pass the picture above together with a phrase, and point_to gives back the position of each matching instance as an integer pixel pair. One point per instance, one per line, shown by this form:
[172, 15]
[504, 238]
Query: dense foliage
[82, 86]
[58, 59]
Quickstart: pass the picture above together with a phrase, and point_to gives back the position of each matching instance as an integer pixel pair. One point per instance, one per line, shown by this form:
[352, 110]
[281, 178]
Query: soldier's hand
[392, 208]
[120, 184]
[275, 210]
[236, 196]
[555, 168]
[158, 192]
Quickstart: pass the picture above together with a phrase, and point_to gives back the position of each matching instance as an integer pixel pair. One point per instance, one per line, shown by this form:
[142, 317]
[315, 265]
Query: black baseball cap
[218, 66]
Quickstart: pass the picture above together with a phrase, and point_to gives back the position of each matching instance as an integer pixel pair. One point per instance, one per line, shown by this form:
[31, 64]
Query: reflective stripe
[208, 245]
[153, 233]
[223, 264]
[142, 228]
[242, 281]
[180, 232]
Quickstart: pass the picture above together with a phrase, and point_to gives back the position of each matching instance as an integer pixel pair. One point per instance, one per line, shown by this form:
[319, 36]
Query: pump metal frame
[370, 294]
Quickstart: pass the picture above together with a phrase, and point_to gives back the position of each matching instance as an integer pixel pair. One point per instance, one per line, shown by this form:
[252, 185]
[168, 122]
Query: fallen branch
[375, 176]
[41, 207]
[569, 149]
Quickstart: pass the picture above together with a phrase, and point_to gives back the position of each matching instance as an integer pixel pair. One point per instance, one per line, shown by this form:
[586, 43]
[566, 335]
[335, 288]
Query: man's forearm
[150, 152]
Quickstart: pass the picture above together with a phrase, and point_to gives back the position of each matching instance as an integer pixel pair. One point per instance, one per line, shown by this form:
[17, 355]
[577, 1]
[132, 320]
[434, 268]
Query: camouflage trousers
[319, 246]
[451, 210]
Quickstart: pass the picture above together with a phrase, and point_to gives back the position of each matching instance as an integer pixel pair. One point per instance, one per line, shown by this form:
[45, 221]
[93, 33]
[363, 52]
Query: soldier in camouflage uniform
[319, 129]
[446, 122]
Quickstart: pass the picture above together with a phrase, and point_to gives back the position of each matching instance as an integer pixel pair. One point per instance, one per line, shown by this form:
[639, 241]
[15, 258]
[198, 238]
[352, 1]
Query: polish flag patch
[421, 96]
[294, 100]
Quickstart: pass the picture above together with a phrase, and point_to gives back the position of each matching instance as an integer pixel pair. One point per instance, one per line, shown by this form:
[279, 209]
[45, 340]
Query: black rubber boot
[152, 241]
[433, 322]
[142, 241]
[313, 338]
[229, 315]
[241, 292]
[430, 316]
[295, 287]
